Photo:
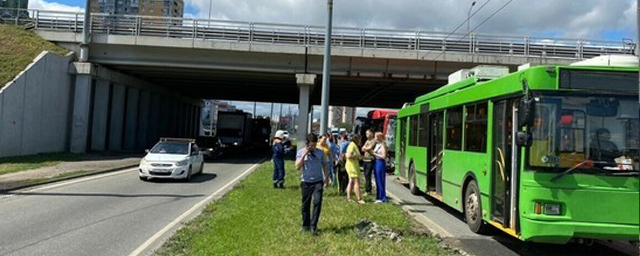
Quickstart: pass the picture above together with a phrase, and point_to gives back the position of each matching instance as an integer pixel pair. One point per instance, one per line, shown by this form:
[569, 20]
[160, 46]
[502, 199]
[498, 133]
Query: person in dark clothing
[343, 177]
[312, 162]
[602, 148]
[278, 160]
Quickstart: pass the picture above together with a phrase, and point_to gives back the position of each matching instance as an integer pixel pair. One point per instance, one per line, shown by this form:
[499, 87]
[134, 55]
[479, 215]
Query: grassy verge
[255, 219]
[18, 48]
[22, 163]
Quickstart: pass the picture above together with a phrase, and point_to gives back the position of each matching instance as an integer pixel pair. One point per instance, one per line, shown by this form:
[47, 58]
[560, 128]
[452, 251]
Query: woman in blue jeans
[380, 168]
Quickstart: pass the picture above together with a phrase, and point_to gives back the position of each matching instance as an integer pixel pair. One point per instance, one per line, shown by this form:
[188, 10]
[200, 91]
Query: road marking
[70, 182]
[180, 218]
[431, 225]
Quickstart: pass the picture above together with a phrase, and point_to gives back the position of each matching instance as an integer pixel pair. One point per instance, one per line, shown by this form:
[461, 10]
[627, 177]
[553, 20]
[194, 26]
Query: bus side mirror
[526, 112]
[523, 139]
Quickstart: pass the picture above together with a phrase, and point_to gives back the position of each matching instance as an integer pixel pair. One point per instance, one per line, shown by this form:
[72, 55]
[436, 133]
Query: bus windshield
[588, 133]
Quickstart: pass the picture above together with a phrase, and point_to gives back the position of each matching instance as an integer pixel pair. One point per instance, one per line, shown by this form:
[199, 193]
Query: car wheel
[188, 178]
[413, 185]
[473, 208]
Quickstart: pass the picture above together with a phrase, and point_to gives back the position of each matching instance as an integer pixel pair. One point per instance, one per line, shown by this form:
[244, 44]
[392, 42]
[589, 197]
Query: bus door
[403, 146]
[504, 163]
[435, 150]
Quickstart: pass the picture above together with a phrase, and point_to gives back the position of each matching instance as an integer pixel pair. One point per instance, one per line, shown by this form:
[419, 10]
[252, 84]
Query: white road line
[175, 222]
[70, 182]
[431, 225]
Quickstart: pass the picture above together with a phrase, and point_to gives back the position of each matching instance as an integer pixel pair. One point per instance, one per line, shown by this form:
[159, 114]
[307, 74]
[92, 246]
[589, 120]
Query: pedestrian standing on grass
[367, 161]
[278, 160]
[325, 145]
[380, 167]
[333, 149]
[353, 168]
[341, 172]
[312, 163]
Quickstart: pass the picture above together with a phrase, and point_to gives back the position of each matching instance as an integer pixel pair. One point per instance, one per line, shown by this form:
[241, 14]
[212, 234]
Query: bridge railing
[430, 44]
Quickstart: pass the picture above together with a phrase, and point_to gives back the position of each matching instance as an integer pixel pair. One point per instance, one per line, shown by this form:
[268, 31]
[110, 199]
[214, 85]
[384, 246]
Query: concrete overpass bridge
[268, 62]
[256, 61]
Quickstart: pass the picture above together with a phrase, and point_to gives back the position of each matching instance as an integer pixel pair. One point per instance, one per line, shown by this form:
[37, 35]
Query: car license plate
[161, 170]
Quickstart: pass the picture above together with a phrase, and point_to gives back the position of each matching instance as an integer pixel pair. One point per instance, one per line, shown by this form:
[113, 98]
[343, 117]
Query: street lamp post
[326, 70]
[469, 15]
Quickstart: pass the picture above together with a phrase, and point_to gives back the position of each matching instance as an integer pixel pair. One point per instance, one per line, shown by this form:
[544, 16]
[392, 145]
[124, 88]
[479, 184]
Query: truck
[260, 133]
[234, 129]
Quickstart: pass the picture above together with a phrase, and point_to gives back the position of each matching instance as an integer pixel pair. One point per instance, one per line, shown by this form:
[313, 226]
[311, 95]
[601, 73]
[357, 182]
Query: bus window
[413, 134]
[454, 128]
[476, 128]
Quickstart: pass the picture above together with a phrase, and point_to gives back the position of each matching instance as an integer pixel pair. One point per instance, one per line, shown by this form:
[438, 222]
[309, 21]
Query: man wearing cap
[278, 160]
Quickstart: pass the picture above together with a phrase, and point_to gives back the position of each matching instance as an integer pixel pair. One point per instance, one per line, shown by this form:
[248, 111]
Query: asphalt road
[112, 214]
[450, 225]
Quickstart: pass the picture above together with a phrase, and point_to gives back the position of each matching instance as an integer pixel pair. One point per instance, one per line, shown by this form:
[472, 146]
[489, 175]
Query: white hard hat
[279, 134]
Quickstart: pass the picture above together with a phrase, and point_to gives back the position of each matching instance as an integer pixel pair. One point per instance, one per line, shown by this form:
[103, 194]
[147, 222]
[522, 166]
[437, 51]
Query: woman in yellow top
[353, 168]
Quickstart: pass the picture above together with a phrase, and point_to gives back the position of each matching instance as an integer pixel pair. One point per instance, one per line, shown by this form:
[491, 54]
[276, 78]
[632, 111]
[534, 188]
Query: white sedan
[172, 159]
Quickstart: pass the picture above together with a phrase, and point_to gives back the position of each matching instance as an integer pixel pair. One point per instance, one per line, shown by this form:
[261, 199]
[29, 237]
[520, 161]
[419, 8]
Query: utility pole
[280, 116]
[254, 109]
[326, 71]
[271, 115]
[84, 46]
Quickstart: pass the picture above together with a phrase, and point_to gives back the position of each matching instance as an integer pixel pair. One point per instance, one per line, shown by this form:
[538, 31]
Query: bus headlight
[552, 209]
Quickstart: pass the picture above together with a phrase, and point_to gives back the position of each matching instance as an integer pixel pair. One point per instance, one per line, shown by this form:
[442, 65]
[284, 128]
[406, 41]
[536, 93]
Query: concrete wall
[35, 108]
[56, 105]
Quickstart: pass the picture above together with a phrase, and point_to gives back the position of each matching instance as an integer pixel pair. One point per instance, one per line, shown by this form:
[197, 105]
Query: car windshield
[586, 133]
[178, 148]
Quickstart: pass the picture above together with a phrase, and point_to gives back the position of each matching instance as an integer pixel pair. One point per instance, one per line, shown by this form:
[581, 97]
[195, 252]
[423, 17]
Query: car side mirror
[523, 139]
[147, 150]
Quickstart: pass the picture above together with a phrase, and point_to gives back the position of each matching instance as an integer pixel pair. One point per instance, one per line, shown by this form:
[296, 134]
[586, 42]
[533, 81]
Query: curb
[53, 180]
[436, 230]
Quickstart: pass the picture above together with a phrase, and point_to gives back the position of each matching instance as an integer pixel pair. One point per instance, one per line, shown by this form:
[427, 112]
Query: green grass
[23, 163]
[255, 219]
[18, 48]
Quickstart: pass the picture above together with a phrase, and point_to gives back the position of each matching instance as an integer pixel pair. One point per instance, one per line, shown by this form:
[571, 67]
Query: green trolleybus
[546, 154]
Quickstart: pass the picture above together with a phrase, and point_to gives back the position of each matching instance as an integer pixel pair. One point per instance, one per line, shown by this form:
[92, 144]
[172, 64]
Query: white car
[172, 159]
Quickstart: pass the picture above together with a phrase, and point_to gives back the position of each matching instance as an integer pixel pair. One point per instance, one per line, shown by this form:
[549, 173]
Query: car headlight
[183, 162]
[143, 161]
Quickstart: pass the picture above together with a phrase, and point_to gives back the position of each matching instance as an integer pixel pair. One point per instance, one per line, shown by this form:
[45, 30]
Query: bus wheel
[413, 187]
[473, 208]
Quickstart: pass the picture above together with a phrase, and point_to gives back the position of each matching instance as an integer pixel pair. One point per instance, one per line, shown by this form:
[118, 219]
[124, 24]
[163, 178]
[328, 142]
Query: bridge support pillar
[100, 115]
[81, 114]
[116, 124]
[143, 119]
[305, 84]
[131, 119]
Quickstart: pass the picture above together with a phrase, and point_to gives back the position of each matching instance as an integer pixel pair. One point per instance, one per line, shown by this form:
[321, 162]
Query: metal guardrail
[430, 44]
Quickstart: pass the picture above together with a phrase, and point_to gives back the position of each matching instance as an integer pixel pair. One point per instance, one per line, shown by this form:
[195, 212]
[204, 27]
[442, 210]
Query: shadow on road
[198, 178]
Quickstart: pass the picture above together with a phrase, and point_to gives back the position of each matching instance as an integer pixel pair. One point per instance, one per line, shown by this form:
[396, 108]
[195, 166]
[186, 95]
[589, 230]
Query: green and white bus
[546, 154]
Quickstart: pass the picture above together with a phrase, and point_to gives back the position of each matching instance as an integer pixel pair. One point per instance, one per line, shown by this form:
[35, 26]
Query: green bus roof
[539, 78]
